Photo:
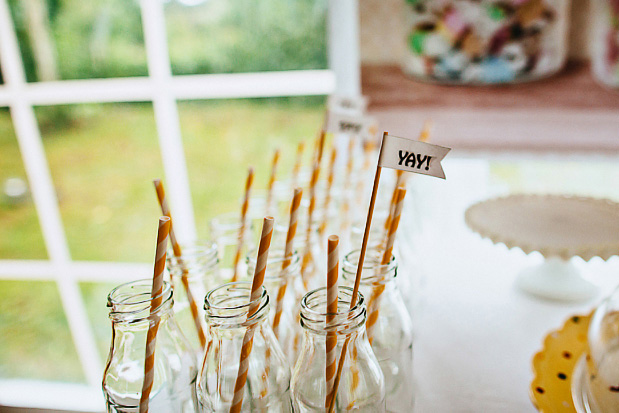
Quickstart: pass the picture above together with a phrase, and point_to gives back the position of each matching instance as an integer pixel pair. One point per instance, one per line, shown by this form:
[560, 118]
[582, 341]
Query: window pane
[35, 341]
[103, 159]
[18, 217]
[223, 36]
[95, 300]
[80, 39]
[223, 138]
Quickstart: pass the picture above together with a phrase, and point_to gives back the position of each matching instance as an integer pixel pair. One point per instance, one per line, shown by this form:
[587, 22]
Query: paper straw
[374, 301]
[296, 170]
[261, 266]
[307, 255]
[320, 145]
[399, 181]
[244, 207]
[331, 342]
[424, 136]
[289, 249]
[347, 178]
[269, 201]
[193, 307]
[156, 300]
[325, 215]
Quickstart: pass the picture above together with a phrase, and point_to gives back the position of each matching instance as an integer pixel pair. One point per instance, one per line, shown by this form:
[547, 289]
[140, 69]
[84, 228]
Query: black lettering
[402, 155]
[428, 166]
[421, 160]
[410, 160]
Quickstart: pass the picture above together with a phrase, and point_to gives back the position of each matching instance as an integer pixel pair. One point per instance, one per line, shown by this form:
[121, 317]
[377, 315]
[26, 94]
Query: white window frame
[163, 90]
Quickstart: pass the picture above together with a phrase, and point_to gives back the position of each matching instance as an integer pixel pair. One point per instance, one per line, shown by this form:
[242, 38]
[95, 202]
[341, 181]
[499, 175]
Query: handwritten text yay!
[412, 160]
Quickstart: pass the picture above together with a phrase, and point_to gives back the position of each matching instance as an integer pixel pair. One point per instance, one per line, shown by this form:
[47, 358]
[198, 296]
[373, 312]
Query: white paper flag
[412, 156]
[350, 123]
[357, 104]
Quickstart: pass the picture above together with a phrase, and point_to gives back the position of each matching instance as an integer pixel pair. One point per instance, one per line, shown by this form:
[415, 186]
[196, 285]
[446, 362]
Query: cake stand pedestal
[558, 227]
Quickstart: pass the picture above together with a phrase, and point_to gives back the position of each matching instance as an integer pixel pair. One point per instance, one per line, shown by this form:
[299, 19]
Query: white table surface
[475, 332]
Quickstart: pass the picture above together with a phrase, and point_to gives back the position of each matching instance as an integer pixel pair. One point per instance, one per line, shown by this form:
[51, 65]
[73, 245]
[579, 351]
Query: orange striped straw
[331, 342]
[307, 255]
[193, 307]
[424, 136]
[399, 181]
[320, 144]
[244, 207]
[296, 170]
[347, 178]
[327, 202]
[269, 202]
[156, 300]
[248, 339]
[374, 301]
[292, 230]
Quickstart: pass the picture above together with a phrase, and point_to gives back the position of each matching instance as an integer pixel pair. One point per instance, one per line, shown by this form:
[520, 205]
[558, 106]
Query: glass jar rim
[194, 251]
[276, 258]
[238, 314]
[346, 320]
[123, 303]
[382, 272]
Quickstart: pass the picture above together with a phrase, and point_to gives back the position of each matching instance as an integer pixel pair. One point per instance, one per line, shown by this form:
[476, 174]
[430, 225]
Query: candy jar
[175, 363]
[485, 41]
[286, 288]
[199, 263]
[606, 42]
[268, 379]
[389, 327]
[361, 387]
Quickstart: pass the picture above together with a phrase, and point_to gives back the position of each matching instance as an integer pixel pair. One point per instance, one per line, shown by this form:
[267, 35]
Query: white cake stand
[559, 227]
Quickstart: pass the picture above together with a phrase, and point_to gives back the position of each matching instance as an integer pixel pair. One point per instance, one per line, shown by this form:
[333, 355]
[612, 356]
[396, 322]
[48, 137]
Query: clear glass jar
[200, 262]
[606, 42]
[224, 230]
[268, 379]
[485, 41]
[361, 386]
[175, 362]
[288, 330]
[390, 330]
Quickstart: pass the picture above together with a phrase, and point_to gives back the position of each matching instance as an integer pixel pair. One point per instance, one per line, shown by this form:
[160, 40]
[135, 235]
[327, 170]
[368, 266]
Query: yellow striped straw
[193, 307]
[307, 254]
[156, 300]
[374, 301]
[296, 170]
[244, 207]
[248, 339]
[289, 249]
[331, 341]
[269, 201]
[327, 201]
[350, 162]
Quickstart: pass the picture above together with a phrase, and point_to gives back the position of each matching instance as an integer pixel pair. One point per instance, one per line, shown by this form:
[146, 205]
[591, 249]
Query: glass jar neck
[274, 271]
[130, 303]
[346, 321]
[197, 259]
[374, 273]
[228, 306]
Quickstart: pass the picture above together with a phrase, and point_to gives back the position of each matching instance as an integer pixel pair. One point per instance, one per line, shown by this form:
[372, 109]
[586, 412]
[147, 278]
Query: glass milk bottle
[224, 231]
[361, 387]
[175, 363]
[200, 262]
[288, 330]
[388, 325]
[268, 378]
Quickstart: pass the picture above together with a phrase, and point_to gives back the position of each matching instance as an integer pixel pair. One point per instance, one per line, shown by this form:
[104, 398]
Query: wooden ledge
[568, 112]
